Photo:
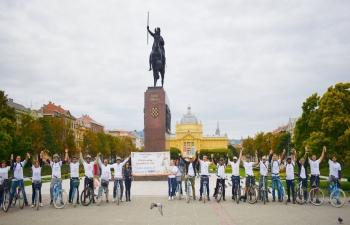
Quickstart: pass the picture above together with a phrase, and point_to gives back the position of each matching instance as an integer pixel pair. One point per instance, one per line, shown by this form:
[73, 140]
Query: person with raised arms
[248, 167]
[17, 168]
[4, 174]
[264, 165]
[118, 176]
[290, 165]
[235, 172]
[221, 165]
[315, 171]
[275, 173]
[36, 176]
[74, 175]
[56, 177]
[190, 174]
[106, 175]
[89, 172]
[204, 164]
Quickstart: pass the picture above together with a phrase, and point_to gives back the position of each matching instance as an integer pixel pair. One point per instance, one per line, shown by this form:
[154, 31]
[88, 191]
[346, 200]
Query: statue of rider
[161, 45]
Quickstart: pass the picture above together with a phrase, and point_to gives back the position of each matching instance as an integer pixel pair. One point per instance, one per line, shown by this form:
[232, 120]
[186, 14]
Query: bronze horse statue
[157, 58]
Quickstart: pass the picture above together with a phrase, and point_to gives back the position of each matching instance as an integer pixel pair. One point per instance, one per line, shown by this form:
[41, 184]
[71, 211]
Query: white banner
[150, 163]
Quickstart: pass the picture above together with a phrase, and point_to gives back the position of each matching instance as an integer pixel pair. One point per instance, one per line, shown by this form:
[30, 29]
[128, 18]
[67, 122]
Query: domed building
[189, 135]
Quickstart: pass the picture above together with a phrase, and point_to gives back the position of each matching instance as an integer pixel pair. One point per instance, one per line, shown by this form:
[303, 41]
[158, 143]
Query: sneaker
[169, 198]
[200, 199]
[32, 205]
[223, 199]
[273, 200]
[41, 204]
[172, 198]
[51, 202]
[107, 201]
[233, 197]
[311, 200]
[26, 204]
[113, 200]
[293, 201]
[318, 201]
[280, 200]
[289, 200]
[121, 200]
[208, 199]
[69, 201]
[194, 198]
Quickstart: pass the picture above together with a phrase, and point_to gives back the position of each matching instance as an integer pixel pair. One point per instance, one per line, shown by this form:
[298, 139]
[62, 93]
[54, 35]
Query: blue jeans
[275, 183]
[14, 186]
[290, 185]
[201, 189]
[171, 186]
[234, 178]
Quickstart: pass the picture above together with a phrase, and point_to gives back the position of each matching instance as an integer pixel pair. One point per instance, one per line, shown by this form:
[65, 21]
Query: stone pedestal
[157, 120]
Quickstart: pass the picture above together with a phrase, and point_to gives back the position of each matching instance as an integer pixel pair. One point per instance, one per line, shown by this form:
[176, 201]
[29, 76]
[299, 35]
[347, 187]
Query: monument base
[151, 178]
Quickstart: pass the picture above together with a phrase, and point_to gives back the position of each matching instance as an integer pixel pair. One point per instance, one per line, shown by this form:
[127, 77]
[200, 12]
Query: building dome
[189, 118]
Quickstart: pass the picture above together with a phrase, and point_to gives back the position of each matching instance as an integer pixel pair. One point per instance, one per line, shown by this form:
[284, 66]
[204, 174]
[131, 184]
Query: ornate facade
[189, 136]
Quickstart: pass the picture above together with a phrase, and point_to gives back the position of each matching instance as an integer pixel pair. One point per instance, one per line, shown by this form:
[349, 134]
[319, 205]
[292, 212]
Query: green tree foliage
[233, 150]
[325, 121]
[174, 153]
[7, 127]
[218, 153]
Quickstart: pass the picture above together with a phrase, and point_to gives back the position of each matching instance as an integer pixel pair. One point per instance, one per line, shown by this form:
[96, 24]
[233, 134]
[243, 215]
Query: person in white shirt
[275, 173]
[4, 175]
[334, 173]
[172, 180]
[36, 176]
[290, 164]
[74, 175]
[178, 177]
[315, 171]
[106, 175]
[118, 176]
[56, 174]
[190, 172]
[303, 174]
[88, 172]
[235, 172]
[264, 165]
[204, 164]
[248, 167]
[221, 174]
[17, 168]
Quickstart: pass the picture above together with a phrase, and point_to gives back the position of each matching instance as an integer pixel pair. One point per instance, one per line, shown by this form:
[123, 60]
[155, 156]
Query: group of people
[266, 164]
[92, 170]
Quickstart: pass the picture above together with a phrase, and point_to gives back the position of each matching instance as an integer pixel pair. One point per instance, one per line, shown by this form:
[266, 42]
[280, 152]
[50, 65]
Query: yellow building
[189, 136]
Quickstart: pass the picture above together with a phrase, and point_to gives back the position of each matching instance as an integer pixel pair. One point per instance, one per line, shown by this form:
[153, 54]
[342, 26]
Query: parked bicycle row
[296, 181]
[12, 189]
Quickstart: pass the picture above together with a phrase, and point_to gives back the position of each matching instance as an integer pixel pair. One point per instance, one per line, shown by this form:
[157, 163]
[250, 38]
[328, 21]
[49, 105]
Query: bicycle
[316, 192]
[218, 195]
[301, 194]
[75, 184]
[337, 197]
[252, 192]
[60, 197]
[86, 195]
[19, 196]
[188, 189]
[280, 189]
[178, 186]
[237, 188]
[205, 180]
[101, 191]
[263, 191]
[37, 186]
[6, 185]
[118, 189]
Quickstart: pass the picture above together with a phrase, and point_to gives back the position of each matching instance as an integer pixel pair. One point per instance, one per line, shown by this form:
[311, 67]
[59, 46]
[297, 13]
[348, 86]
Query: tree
[174, 153]
[233, 150]
[7, 127]
[90, 143]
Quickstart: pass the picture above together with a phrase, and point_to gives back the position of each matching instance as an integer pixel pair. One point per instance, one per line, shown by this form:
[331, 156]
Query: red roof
[53, 109]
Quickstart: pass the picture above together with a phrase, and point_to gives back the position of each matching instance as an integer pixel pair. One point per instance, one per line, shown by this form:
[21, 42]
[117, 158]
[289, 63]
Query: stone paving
[175, 212]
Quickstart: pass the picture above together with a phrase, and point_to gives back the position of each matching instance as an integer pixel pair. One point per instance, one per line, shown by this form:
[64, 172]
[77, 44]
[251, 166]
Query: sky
[248, 64]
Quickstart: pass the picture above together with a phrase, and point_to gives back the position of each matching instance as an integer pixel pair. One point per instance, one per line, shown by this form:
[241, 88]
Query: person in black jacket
[190, 172]
[303, 175]
[127, 180]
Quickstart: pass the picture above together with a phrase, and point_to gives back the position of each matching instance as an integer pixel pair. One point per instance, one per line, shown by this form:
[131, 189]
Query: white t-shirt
[190, 170]
[221, 170]
[275, 167]
[264, 168]
[18, 170]
[315, 167]
[289, 170]
[173, 169]
[204, 167]
[118, 169]
[36, 173]
[179, 174]
[302, 172]
[74, 169]
[248, 166]
[56, 169]
[89, 169]
[334, 168]
[4, 173]
[105, 170]
[235, 167]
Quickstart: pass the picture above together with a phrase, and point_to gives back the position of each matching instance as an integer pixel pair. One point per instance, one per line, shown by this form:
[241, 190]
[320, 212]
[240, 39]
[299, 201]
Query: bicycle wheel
[60, 200]
[219, 194]
[99, 196]
[301, 195]
[204, 193]
[6, 201]
[179, 191]
[20, 198]
[188, 194]
[75, 196]
[338, 198]
[118, 195]
[238, 193]
[263, 196]
[251, 196]
[316, 196]
[86, 196]
[37, 199]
